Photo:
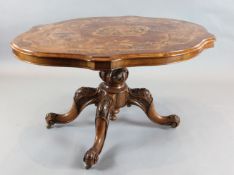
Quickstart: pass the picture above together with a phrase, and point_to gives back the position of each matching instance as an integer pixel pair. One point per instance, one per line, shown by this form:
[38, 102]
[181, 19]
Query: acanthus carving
[140, 97]
[105, 107]
[85, 95]
[113, 77]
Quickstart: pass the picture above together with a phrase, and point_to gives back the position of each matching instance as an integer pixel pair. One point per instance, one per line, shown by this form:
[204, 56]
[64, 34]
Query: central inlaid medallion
[121, 30]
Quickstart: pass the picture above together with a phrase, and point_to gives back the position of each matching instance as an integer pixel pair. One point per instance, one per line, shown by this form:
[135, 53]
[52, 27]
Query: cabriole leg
[83, 97]
[142, 98]
[101, 123]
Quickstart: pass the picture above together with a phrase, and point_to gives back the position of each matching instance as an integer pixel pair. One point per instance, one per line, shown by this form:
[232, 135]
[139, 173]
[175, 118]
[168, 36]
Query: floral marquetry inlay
[121, 31]
[113, 39]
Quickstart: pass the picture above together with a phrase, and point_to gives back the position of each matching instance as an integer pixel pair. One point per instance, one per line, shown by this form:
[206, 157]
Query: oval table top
[101, 43]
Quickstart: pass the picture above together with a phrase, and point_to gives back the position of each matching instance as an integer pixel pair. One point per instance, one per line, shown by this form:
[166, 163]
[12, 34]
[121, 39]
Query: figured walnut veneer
[112, 42]
[110, 45]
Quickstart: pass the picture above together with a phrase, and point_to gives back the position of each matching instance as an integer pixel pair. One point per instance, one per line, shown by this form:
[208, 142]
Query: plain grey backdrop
[200, 91]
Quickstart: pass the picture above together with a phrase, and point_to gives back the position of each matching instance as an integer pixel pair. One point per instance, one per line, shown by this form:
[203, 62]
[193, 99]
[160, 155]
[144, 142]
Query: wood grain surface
[102, 43]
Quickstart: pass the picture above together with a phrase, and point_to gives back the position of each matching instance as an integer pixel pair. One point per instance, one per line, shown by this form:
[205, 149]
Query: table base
[109, 97]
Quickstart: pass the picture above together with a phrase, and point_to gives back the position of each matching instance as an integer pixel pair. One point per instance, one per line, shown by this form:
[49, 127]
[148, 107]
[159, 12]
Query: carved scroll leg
[102, 119]
[172, 120]
[83, 97]
[142, 98]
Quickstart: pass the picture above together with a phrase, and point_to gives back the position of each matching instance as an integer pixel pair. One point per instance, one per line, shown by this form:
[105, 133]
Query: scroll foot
[51, 119]
[171, 120]
[90, 158]
[101, 122]
[83, 97]
[174, 120]
[143, 98]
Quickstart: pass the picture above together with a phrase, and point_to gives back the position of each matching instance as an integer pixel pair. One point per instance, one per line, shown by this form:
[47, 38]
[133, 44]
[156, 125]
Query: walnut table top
[103, 43]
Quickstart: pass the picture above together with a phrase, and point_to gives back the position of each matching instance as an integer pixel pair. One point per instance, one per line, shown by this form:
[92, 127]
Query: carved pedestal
[109, 97]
